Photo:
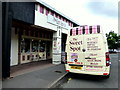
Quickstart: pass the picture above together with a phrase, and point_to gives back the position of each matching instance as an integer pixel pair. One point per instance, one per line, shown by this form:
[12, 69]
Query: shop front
[34, 50]
[33, 44]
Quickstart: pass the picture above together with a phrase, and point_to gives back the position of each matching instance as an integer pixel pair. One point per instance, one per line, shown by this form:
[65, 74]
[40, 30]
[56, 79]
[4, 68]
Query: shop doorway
[49, 50]
[64, 37]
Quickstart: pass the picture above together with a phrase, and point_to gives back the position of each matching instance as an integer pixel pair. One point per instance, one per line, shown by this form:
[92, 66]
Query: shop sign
[53, 20]
[56, 45]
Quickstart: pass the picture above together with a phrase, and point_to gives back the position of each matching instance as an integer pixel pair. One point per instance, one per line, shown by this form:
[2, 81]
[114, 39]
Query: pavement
[30, 67]
[45, 77]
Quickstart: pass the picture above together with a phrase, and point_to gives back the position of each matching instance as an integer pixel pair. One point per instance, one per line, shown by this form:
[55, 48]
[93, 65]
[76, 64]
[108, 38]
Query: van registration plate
[76, 67]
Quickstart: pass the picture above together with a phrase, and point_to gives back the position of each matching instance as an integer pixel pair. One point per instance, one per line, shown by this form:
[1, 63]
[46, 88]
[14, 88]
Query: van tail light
[105, 73]
[65, 57]
[107, 59]
[68, 70]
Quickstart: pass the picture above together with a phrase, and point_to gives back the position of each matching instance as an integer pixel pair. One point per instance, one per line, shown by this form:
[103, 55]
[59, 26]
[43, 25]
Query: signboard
[56, 45]
[53, 20]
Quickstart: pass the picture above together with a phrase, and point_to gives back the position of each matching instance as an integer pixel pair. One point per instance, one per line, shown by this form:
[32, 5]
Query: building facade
[34, 31]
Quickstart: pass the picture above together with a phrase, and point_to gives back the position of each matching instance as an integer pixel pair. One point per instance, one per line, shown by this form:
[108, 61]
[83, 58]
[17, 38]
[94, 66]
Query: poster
[74, 56]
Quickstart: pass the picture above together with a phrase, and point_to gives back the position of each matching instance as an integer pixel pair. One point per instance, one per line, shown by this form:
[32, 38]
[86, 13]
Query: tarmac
[46, 77]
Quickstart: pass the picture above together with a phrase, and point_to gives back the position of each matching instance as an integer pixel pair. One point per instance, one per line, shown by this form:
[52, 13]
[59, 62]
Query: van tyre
[106, 76]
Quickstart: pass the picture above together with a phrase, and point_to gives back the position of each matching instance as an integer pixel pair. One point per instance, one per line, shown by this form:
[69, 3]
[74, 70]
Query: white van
[87, 51]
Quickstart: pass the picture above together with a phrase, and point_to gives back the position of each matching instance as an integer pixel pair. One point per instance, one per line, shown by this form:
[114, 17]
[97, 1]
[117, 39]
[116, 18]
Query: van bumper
[104, 72]
[91, 73]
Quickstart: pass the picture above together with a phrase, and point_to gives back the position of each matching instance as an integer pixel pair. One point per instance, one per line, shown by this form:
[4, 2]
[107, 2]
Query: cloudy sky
[91, 12]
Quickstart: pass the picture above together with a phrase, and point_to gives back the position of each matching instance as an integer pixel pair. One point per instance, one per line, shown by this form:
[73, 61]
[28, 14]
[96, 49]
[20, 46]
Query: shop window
[41, 46]
[46, 35]
[49, 36]
[48, 48]
[34, 46]
[37, 55]
[21, 32]
[23, 58]
[38, 34]
[29, 33]
[25, 45]
[43, 35]
[16, 31]
[34, 33]
[28, 57]
[26, 32]
[32, 57]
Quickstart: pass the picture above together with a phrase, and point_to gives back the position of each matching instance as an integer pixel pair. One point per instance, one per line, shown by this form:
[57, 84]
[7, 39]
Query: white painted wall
[14, 48]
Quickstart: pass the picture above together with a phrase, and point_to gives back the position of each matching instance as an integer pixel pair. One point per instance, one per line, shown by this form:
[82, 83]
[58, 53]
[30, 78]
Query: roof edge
[48, 6]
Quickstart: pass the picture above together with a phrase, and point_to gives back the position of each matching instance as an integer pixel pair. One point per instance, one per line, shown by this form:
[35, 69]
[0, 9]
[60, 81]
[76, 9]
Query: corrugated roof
[53, 9]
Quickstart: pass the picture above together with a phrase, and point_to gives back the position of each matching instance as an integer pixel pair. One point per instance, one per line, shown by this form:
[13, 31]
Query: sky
[90, 12]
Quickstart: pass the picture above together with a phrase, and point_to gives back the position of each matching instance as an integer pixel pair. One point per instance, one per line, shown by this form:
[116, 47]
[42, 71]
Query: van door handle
[87, 58]
[83, 50]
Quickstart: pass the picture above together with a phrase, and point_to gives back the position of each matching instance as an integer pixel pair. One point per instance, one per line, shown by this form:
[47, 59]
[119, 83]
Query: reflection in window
[25, 45]
[41, 46]
[34, 46]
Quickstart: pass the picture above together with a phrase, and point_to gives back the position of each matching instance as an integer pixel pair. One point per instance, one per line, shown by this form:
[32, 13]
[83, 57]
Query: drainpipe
[0, 41]
[6, 39]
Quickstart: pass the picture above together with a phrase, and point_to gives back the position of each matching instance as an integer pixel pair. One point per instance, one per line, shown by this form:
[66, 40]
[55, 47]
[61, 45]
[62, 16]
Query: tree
[113, 40]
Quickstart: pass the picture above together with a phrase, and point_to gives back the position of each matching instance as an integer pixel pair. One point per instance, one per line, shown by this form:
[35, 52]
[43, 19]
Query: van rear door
[95, 52]
[74, 47]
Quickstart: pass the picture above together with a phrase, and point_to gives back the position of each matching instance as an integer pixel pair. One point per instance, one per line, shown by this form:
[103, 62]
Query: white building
[42, 41]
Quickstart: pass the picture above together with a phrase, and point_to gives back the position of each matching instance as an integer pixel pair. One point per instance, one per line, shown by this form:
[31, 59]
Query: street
[89, 81]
